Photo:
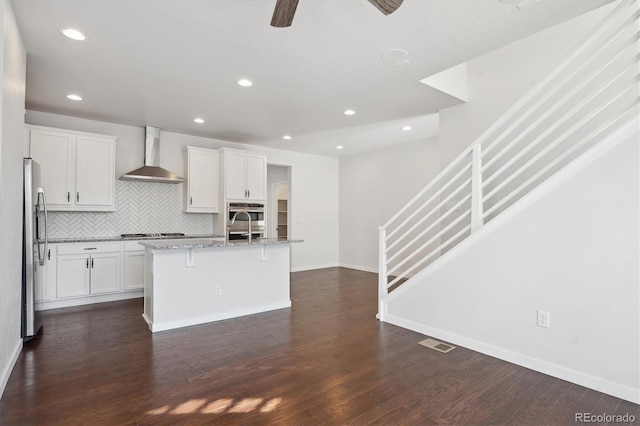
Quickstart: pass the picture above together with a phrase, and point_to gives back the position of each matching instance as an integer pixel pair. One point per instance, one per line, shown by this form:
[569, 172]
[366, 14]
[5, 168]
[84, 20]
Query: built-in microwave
[242, 212]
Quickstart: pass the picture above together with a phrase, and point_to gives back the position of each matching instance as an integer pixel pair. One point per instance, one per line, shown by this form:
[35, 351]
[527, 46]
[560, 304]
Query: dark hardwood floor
[327, 360]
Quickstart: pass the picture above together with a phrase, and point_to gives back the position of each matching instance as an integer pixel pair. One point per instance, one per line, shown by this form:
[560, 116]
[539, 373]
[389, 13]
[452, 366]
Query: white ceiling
[165, 62]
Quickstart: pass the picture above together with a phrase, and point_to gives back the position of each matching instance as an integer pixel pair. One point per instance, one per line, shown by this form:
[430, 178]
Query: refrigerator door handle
[42, 254]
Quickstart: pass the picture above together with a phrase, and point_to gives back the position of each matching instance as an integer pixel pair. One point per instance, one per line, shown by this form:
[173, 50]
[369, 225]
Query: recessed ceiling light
[339, 147]
[74, 97]
[245, 83]
[349, 112]
[406, 128]
[286, 137]
[73, 34]
[198, 120]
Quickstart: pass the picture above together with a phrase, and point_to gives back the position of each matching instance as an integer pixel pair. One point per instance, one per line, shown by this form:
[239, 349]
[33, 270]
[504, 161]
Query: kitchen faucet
[233, 220]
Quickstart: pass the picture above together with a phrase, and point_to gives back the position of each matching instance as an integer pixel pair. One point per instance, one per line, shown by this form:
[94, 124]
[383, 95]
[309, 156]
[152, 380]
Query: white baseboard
[335, 265]
[359, 268]
[313, 267]
[87, 300]
[573, 376]
[6, 372]
[186, 322]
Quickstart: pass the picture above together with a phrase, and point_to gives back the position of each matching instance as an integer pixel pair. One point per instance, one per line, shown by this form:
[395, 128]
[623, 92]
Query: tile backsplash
[141, 207]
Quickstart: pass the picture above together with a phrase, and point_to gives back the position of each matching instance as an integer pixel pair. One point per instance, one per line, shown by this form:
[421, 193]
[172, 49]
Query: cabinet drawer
[132, 246]
[88, 248]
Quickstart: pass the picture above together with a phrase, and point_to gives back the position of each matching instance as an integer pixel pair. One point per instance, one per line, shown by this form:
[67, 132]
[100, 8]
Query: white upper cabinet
[256, 177]
[201, 195]
[95, 172]
[245, 175]
[78, 169]
[54, 150]
[235, 172]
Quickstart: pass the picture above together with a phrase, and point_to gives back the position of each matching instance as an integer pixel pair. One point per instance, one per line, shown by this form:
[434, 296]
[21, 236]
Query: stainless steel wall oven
[242, 212]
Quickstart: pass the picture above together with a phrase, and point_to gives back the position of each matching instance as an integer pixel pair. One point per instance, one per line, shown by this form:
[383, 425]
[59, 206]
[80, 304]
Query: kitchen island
[195, 281]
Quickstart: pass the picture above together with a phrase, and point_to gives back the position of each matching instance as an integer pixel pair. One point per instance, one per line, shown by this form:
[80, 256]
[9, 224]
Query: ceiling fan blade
[283, 13]
[386, 6]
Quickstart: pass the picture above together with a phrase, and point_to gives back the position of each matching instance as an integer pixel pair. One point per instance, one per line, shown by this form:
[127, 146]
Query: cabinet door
[95, 173]
[41, 285]
[256, 177]
[105, 273]
[51, 279]
[202, 181]
[72, 276]
[46, 277]
[134, 270]
[235, 173]
[54, 151]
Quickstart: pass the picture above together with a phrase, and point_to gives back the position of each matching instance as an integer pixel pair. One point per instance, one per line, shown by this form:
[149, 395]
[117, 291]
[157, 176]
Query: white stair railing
[589, 95]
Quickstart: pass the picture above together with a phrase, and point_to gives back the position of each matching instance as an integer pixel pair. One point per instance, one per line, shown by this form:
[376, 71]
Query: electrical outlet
[218, 290]
[544, 319]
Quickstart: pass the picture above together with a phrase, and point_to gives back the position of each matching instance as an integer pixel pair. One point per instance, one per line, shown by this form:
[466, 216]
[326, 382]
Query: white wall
[373, 186]
[12, 100]
[570, 248]
[498, 79]
[314, 180]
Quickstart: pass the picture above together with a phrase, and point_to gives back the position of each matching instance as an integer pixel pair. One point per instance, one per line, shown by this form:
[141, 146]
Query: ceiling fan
[285, 9]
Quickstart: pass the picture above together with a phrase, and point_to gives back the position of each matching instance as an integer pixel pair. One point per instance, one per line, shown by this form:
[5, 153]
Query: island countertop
[194, 243]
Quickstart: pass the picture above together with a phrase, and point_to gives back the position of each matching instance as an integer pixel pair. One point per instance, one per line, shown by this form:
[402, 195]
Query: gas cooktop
[154, 235]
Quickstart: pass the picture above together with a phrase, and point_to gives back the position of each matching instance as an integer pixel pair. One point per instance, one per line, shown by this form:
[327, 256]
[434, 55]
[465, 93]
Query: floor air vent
[438, 346]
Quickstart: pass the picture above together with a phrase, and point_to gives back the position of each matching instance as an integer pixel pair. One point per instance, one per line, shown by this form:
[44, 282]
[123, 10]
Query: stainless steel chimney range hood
[151, 171]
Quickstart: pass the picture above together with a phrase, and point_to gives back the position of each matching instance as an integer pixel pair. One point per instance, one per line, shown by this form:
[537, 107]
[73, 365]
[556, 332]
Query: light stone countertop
[119, 238]
[175, 244]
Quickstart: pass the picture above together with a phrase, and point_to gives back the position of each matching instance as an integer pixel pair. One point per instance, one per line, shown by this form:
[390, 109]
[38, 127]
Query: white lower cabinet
[133, 266]
[104, 273]
[46, 279]
[83, 273]
[72, 276]
[84, 269]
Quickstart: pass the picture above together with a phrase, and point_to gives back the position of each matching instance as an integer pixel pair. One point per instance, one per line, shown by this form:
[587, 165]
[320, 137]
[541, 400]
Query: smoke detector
[395, 57]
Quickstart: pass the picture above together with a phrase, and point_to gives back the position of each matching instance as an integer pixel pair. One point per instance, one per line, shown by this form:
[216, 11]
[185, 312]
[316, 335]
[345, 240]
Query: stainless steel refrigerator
[34, 248]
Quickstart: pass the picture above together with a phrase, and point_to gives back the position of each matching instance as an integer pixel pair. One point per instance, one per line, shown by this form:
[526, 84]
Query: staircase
[585, 99]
